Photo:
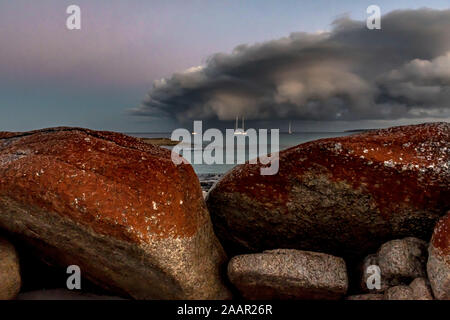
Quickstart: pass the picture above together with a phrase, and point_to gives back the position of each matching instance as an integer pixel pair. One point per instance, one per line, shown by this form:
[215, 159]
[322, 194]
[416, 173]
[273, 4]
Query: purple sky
[50, 76]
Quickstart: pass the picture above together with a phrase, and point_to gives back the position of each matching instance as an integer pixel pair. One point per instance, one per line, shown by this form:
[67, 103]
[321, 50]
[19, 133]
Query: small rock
[368, 296]
[421, 289]
[401, 261]
[289, 274]
[10, 280]
[399, 293]
[438, 265]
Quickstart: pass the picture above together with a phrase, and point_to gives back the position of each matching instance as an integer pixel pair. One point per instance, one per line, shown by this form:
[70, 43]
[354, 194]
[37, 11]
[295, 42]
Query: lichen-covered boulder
[10, 280]
[120, 209]
[438, 265]
[289, 274]
[344, 196]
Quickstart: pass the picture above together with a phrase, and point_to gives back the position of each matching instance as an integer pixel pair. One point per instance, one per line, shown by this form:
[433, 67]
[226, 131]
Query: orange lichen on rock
[412, 159]
[339, 195]
[119, 208]
[114, 183]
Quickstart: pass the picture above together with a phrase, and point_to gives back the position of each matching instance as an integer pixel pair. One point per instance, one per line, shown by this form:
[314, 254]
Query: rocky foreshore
[363, 217]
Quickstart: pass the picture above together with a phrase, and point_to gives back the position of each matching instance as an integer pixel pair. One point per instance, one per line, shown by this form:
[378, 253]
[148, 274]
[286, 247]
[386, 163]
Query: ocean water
[286, 141]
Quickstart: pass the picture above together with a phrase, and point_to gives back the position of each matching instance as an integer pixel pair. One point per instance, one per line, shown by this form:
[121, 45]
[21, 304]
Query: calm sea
[286, 141]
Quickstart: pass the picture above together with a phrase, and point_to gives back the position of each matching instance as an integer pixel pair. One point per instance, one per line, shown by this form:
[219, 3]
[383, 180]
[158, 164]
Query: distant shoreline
[160, 141]
[360, 130]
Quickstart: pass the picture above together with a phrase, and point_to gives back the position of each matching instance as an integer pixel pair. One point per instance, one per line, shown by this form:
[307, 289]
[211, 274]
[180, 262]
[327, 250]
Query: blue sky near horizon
[50, 76]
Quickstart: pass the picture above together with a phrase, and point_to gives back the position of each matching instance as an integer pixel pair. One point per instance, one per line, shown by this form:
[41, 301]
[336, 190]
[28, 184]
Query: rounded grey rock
[289, 274]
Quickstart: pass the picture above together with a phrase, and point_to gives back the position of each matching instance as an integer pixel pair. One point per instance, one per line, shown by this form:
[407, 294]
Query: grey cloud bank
[350, 73]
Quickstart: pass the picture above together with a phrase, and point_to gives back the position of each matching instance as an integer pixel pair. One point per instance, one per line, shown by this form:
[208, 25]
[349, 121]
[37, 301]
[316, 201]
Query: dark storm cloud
[350, 73]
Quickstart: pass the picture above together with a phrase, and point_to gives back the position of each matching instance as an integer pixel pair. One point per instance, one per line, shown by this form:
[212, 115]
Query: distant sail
[240, 131]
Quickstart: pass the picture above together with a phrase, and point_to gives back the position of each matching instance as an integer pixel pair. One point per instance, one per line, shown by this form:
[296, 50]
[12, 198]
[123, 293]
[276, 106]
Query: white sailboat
[193, 132]
[240, 131]
[290, 127]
